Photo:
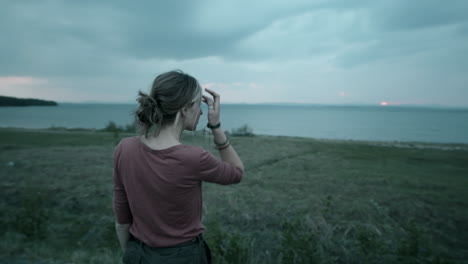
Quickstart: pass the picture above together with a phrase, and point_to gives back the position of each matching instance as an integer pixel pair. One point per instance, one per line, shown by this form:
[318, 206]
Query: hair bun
[153, 101]
[148, 112]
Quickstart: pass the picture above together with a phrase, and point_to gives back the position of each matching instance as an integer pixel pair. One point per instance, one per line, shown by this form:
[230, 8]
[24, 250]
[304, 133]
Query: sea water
[376, 123]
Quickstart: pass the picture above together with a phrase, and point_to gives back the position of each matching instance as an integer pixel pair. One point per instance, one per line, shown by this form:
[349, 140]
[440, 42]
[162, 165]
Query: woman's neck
[168, 136]
[169, 133]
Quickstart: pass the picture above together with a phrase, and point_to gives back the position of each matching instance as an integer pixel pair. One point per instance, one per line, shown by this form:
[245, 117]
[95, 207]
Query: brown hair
[171, 91]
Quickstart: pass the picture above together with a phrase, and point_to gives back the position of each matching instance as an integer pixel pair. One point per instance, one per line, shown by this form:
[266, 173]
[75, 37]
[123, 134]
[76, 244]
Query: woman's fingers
[213, 106]
[207, 100]
[213, 93]
[216, 97]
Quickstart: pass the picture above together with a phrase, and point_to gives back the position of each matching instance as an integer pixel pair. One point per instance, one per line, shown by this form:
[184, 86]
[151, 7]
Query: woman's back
[160, 190]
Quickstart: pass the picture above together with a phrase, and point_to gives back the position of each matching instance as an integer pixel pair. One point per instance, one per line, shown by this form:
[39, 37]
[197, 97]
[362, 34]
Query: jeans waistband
[192, 241]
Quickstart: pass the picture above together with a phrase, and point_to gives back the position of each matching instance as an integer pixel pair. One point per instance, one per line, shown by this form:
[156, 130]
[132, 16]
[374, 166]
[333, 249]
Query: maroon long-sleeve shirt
[158, 192]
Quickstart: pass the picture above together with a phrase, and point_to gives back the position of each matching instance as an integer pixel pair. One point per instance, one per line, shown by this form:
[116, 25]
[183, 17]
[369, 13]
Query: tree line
[13, 101]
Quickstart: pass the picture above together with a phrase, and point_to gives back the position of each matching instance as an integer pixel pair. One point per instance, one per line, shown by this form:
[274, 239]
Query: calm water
[332, 122]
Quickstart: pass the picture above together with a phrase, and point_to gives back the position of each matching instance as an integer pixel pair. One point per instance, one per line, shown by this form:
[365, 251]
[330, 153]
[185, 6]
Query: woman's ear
[183, 111]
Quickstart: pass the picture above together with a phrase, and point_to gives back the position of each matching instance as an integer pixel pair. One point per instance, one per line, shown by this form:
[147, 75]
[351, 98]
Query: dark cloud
[78, 38]
[408, 15]
[68, 38]
[430, 42]
[406, 28]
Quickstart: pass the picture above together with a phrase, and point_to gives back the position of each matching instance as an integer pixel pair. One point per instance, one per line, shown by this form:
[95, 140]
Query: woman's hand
[213, 106]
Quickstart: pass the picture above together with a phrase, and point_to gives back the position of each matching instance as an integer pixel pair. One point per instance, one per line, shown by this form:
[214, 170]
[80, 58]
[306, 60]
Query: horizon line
[432, 105]
[343, 104]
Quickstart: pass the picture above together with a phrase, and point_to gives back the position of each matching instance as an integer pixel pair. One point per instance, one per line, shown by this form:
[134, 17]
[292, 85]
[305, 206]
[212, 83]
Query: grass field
[301, 201]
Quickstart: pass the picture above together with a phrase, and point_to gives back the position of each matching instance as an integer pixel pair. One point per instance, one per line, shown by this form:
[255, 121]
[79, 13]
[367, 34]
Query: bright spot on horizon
[383, 103]
[341, 93]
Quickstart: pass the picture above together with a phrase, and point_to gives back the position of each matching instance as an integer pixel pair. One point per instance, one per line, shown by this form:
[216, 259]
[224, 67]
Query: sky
[389, 52]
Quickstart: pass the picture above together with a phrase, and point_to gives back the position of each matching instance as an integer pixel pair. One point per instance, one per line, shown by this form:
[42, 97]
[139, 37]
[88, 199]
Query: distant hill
[13, 101]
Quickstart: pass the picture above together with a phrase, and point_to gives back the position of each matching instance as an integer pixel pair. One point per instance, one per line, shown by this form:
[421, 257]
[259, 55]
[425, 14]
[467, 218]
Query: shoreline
[389, 144]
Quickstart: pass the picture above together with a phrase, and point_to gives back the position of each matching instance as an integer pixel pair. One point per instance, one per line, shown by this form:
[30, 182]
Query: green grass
[301, 201]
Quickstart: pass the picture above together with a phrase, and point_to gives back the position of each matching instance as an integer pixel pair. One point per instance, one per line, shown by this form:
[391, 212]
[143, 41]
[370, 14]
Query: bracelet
[225, 146]
[213, 126]
[222, 144]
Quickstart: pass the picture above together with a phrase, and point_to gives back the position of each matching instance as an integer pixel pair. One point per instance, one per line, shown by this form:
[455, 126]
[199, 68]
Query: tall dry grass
[301, 201]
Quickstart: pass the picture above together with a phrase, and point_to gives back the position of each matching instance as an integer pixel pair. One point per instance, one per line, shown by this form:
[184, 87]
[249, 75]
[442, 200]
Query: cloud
[411, 15]
[392, 45]
[296, 51]
[9, 81]
[22, 86]
[27, 87]
[50, 34]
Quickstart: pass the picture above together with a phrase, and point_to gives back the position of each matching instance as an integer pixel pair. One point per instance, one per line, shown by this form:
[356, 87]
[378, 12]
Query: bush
[112, 127]
[243, 131]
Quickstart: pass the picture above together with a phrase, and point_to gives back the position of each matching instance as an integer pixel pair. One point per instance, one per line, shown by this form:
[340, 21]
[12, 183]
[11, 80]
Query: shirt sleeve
[121, 207]
[215, 170]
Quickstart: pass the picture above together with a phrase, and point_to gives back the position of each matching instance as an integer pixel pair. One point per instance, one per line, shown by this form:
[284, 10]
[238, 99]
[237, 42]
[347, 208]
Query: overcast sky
[326, 52]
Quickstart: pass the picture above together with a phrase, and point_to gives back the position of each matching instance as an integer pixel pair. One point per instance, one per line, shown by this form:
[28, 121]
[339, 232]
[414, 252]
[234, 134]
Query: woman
[157, 180]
